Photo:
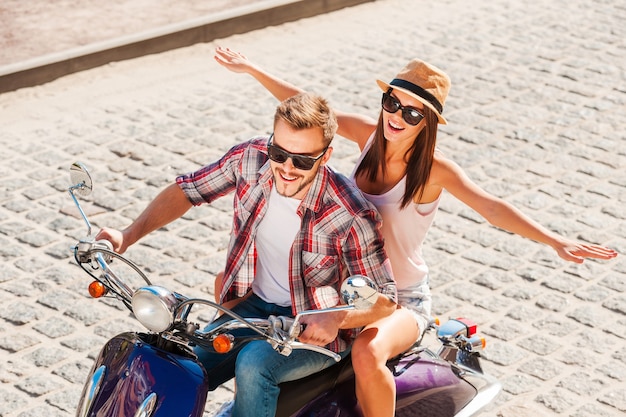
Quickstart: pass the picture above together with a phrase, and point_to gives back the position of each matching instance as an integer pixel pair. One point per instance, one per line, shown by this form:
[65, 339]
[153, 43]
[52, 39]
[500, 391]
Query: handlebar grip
[103, 242]
[106, 245]
[286, 323]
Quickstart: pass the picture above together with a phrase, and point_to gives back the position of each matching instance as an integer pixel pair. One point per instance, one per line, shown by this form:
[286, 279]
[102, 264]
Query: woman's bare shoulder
[443, 168]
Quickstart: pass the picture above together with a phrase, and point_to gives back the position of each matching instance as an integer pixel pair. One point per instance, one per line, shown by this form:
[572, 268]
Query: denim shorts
[417, 298]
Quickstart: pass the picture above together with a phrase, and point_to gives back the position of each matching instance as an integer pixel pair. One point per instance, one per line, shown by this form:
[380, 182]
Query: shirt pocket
[320, 269]
[246, 205]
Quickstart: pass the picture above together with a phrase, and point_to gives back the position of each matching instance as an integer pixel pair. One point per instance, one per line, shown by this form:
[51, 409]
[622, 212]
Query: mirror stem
[80, 209]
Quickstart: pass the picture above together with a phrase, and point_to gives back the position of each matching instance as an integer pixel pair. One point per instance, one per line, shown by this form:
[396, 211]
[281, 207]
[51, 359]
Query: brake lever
[87, 248]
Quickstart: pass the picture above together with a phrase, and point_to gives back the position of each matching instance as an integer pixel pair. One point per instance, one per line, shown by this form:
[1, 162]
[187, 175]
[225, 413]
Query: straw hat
[425, 82]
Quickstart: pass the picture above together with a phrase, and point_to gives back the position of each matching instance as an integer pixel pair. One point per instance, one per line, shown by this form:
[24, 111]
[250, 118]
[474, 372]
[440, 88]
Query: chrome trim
[91, 390]
[147, 406]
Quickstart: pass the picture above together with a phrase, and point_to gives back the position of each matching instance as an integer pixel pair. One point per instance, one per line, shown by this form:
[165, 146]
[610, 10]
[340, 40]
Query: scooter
[157, 374]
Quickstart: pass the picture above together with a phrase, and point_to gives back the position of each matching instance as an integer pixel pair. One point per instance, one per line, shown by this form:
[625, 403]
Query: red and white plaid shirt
[339, 236]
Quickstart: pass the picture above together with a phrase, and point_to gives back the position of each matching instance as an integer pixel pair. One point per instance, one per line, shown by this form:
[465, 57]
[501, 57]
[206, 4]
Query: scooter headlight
[154, 307]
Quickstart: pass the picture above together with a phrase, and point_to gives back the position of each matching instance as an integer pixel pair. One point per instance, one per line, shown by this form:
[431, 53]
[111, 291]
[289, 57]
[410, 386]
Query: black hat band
[416, 89]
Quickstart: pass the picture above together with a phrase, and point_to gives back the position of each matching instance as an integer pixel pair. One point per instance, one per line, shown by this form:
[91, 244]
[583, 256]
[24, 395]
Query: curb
[204, 29]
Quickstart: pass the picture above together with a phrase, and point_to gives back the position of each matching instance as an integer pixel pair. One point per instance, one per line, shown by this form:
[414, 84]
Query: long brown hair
[419, 157]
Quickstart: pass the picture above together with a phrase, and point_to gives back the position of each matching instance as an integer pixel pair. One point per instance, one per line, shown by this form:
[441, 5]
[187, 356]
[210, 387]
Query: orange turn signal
[97, 289]
[223, 343]
[477, 343]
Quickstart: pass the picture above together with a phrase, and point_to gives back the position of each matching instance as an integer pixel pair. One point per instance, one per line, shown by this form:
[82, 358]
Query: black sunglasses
[410, 114]
[303, 162]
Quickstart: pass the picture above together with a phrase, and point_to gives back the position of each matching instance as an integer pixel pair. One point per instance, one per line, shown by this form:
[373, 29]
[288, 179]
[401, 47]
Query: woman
[403, 174]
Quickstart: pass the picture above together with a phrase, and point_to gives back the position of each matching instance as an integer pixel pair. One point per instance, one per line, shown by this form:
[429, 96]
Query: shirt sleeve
[365, 254]
[214, 180]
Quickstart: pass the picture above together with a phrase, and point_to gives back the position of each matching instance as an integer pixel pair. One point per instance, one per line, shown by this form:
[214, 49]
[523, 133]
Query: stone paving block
[616, 304]
[563, 283]
[84, 342]
[63, 402]
[39, 384]
[503, 329]
[522, 292]
[503, 354]
[553, 302]
[9, 402]
[493, 304]
[85, 313]
[582, 358]
[75, 372]
[595, 410]
[614, 370]
[615, 398]
[588, 315]
[54, 327]
[615, 282]
[492, 279]
[557, 400]
[555, 326]
[540, 344]
[46, 356]
[57, 300]
[583, 384]
[20, 313]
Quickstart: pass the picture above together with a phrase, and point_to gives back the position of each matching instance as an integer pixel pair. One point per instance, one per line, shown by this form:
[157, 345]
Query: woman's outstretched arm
[352, 126]
[504, 215]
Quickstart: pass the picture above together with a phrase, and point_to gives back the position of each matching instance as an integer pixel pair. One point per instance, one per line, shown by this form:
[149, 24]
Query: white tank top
[274, 240]
[404, 230]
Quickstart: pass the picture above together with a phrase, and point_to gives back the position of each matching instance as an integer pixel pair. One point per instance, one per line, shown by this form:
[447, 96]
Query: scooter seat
[296, 394]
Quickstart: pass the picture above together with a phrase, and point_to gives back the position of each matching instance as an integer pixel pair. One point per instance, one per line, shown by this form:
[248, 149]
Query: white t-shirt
[274, 239]
[404, 230]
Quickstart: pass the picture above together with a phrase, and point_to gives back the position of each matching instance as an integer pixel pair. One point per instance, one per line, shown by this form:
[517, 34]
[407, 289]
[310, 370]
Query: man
[299, 230]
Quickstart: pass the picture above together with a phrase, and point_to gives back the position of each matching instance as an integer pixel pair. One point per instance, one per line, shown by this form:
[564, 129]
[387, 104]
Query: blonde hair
[308, 110]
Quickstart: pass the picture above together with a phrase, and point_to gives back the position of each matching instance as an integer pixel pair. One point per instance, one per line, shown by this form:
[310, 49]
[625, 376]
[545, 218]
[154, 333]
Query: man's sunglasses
[279, 155]
[410, 114]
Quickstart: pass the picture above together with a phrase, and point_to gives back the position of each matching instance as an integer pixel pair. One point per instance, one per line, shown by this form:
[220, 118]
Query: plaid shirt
[340, 232]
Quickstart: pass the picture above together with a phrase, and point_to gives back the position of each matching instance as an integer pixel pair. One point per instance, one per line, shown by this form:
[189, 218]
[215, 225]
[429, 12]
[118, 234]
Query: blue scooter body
[131, 374]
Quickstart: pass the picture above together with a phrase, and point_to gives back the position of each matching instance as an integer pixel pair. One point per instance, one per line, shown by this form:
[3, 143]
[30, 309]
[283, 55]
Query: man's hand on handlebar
[114, 236]
[321, 329]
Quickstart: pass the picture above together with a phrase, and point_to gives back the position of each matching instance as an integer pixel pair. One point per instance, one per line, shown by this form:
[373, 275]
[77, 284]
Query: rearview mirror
[359, 291]
[81, 185]
[81, 180]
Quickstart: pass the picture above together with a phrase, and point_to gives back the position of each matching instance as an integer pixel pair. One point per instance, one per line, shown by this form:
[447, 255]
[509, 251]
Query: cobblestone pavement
[537, 115]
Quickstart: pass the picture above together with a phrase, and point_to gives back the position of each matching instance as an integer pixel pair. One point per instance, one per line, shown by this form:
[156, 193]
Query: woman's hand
[578, 252]
[232, 60]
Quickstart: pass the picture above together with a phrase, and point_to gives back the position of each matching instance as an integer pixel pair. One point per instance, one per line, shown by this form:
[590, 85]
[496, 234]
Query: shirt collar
[315, 196]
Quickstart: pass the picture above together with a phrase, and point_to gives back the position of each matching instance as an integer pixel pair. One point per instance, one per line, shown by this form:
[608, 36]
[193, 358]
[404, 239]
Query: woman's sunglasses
[279, 155]
[410, 114]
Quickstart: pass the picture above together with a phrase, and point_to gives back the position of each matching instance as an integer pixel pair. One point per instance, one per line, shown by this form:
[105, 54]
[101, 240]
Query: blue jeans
[258, 368]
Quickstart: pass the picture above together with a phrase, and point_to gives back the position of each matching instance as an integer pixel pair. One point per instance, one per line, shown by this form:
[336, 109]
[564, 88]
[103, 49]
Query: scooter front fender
[131, 377]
